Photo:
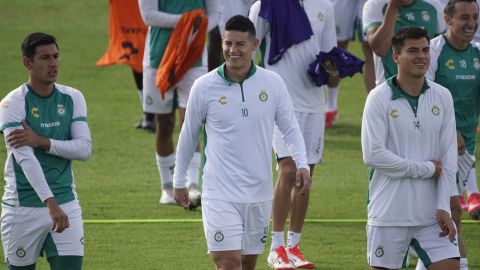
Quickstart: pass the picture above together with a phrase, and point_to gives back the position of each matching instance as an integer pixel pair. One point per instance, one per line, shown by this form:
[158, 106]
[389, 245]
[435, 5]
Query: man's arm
[152, 16]
[379, 37]
[375, 152]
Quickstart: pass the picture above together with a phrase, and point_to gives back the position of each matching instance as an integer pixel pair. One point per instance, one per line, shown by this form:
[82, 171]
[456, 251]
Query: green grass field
[121, 182]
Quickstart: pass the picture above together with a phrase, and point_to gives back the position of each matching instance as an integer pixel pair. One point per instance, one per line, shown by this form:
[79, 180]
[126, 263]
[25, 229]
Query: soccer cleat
[296, 258]
[167, 197]
[463, 204]
[474, 205]
[278, 259]
[330, 118]
[478, 130]
[145, 124]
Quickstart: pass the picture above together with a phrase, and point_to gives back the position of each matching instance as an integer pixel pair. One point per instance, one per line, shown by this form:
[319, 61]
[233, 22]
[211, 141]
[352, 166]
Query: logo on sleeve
[5, 104]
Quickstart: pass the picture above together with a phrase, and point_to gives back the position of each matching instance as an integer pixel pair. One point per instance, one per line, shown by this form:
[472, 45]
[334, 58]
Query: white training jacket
[399, 144]
[239, 120]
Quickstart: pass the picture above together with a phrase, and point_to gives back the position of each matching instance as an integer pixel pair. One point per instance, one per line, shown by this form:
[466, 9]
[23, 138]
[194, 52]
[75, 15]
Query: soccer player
[382, 18]
[309, 105]
[45, 128]
[161, 16]
[455, 65]
[239, 103]
[348, 21]
[409, 143]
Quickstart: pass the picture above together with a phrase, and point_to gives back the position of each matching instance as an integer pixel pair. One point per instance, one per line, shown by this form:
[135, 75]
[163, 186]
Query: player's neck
[42, 89]
[456, 43]
[411, 85]
[237, 74]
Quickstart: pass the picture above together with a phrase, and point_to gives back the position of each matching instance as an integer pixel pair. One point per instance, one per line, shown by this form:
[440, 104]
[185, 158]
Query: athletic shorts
[312, 126]
[152, 100]
[387, 246]
[465, 164]
[236, 226]
[27, 232]
[348, 19]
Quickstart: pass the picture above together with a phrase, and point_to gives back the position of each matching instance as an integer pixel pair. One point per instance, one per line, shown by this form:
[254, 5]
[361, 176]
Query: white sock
[277, 240]
[332, 98]
[293, 238]
[193, 171]
[420, 265]
[463, 264]
[472, 182]
[165, 165]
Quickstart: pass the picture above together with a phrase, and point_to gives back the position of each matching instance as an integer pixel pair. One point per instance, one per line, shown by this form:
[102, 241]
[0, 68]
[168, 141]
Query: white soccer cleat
[296, 258]
[167, 197]
[278, 259]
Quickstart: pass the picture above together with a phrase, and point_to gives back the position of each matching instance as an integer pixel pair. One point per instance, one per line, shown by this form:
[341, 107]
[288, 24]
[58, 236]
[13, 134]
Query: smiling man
[239, 103]
[409, 143]
[45, 128]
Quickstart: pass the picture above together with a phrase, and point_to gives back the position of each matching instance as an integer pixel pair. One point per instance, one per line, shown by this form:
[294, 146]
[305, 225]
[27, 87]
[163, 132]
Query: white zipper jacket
[398, 142]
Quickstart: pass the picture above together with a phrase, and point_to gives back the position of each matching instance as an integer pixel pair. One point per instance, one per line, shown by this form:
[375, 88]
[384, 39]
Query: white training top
[293, 67]
[239, 120]
[398, 145]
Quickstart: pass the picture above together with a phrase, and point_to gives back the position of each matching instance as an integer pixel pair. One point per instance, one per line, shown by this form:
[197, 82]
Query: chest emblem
[425, 16]
[320, 16]
[35, 112]
[60, 110]
[394, 113]
[435, 110]
[222, 100]
[476, 63]
[263, 96]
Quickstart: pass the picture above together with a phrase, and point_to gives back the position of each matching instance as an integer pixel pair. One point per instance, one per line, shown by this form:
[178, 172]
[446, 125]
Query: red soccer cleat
[474, 205]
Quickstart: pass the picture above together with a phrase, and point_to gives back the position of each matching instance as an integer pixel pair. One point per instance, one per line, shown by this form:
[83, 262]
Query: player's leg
[24, 230]
[165, 121]
[249, 262]
[473, 200]
[193, 171]
[223, 228]
[65, 250]
[214, 47]
[437, 253]
[148, 120]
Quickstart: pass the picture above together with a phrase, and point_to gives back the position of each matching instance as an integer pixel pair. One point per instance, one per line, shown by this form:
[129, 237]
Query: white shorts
[466, 162]
[236, 226]
[348, 18]
[387, 246]
[312, 126]
[27, 231]
[152, 100]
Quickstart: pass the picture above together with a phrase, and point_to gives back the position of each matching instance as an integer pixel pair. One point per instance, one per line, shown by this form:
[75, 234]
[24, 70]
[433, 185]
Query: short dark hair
[33, 40]
[450, 7]
[410, 32]
[240, 23]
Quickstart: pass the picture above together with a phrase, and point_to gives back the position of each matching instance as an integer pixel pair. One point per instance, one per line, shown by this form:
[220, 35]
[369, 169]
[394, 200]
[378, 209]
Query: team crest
[218, 236]
[263, 96]
[450, 64]
[476, 63]
[320, 16]
[60, 109]
[379, 251]
[435, 110]
[35, 112]
[21, 252]
[148, 100]
[393, 113]
[222, 100]
[425, 16]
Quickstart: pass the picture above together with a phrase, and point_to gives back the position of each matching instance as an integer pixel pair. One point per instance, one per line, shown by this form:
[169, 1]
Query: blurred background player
[455, 64]
[161, 16]
[309, 105]
[348, 22]
[127, 33]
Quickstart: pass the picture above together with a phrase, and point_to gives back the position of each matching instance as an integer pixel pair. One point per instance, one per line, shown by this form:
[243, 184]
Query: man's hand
[59, 218]
[197, 23]
[461, 144]
[27, 137]
[330, 68]
[446, 224]
[438, 169]
[181, 197]
[399, 3]
[304, 180]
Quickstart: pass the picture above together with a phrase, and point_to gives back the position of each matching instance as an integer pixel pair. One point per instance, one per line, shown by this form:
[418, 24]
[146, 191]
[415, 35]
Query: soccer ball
[195, 198]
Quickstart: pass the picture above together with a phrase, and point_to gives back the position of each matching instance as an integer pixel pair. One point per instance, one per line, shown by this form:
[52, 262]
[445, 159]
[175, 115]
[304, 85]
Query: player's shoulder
[268, 75]
[437, 43]
[438, 89]
[435, 4]
[319, 5]
[75, 94]
[16, 96]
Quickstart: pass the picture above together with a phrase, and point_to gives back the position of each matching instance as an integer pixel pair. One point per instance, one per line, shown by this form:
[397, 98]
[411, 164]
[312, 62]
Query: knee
[228, 265]
[165, 124]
